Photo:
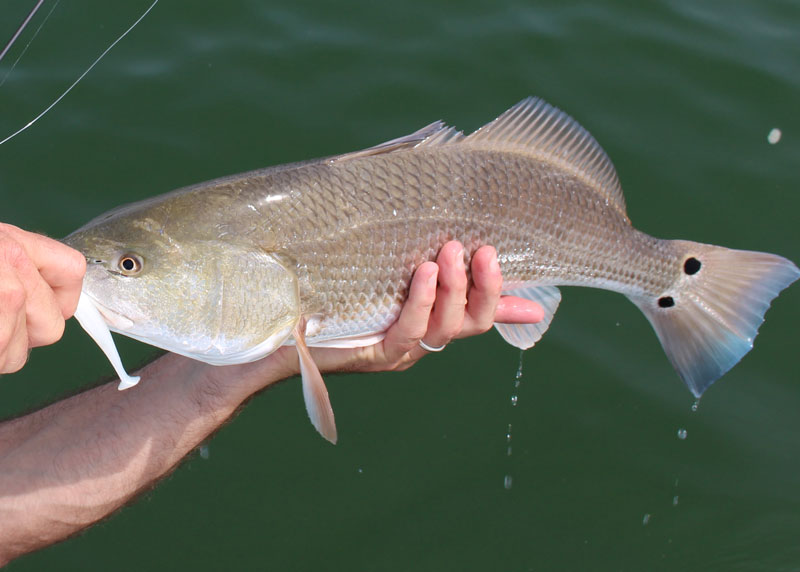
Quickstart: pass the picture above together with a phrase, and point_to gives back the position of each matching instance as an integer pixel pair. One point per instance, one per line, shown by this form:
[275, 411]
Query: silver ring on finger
[428, 348]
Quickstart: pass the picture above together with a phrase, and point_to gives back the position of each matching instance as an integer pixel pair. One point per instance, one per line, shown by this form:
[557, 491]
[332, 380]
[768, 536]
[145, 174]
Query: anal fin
[524, 336]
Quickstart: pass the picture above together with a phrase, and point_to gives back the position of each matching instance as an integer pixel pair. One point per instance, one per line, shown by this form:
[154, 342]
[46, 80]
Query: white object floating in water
[774, 136]
[89, 318]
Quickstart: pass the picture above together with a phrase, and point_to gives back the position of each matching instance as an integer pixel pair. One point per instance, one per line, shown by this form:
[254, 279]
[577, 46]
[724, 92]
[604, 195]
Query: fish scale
[322, 252]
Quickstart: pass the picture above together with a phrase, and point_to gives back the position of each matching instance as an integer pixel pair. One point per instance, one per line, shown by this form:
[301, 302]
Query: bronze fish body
[225, 271]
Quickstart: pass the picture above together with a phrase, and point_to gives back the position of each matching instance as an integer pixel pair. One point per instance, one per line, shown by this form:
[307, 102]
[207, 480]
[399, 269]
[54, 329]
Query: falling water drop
[682, 433]
[675, 500]
[514, 400]
[204, 451]
[695, 405]
[508, 451]
[507, 482]
[645, 519]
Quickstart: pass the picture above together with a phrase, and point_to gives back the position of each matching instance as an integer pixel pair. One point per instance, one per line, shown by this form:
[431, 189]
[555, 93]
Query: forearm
[74, 462]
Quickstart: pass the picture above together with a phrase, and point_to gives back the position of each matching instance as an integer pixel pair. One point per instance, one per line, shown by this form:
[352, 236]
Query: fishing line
[94, 63]
[25, 49]
[21, 27]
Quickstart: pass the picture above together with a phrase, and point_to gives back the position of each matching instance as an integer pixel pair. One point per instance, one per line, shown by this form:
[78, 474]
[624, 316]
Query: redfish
[321, 253]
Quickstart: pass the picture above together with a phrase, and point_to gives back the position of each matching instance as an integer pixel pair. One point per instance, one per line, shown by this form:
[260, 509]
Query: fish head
[187, 291]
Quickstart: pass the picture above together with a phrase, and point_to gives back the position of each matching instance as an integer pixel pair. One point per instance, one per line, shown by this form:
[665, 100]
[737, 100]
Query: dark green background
[681, 94]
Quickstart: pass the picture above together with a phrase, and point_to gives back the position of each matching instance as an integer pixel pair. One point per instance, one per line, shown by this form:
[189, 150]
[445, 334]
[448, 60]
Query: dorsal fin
[532, 127]
[536, 128]
[436, 131]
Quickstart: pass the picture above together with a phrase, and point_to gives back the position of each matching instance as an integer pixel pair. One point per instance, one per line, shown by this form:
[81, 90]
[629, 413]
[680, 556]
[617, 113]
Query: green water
[681, 94]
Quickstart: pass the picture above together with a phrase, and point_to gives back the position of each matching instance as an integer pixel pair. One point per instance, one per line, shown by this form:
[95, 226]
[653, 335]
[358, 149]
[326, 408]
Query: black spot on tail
[691, 266]
[666, 302]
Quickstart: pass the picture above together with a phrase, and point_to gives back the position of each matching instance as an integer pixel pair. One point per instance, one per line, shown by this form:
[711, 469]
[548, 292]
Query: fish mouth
[114, 319]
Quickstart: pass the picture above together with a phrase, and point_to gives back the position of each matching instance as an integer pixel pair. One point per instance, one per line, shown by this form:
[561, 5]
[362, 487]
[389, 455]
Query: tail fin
[708, 321]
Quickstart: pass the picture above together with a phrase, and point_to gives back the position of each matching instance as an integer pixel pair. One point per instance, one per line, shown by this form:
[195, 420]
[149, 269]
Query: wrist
[229, 386]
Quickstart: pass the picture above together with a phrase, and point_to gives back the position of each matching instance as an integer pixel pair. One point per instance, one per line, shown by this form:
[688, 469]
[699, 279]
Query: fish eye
[130, 264]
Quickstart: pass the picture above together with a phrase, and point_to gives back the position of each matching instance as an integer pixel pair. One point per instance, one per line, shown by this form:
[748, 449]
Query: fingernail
[432, 280]
[494, 265]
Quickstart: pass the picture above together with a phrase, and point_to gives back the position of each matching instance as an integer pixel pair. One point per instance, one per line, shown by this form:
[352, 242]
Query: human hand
[40, 282]
[439, 308]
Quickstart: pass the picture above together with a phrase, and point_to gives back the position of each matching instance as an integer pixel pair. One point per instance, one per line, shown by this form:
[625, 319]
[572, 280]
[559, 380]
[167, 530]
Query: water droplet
[509, 451]
[774, 136]
[507, 482]
[360, 470]
[682, 434]
[394, 212]
[645, 519]
[675, 500]
[516, 383]
[618, 324]
[519, 368]
[205, 453]
[514, 400]
[695, 405]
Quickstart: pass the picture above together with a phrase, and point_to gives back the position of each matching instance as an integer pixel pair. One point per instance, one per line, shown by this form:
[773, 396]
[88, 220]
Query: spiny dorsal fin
[435, 131]
[537, 128]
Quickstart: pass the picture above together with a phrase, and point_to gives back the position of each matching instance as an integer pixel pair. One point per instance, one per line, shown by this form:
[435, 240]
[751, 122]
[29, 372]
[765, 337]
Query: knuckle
[12, 298]
[14, 362]
[15, 255]
[75, 264]
[51, 335]
[483, 327]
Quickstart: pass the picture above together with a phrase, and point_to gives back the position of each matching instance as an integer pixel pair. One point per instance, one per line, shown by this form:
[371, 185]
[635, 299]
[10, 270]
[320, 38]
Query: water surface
[681, 94]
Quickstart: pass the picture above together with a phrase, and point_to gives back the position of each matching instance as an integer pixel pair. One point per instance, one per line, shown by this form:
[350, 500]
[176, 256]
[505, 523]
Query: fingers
[405, 333]
[447, 317]
[61, 267]
[485, 292]
[39, 286]
[513, 310]
[13, 331]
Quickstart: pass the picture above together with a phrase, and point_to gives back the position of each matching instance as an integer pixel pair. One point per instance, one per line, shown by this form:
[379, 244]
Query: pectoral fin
[315, 393]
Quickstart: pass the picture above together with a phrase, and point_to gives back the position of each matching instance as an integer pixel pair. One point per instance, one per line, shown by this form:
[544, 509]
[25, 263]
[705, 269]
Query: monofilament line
[28, 45]
[21, 27]
[94, 63]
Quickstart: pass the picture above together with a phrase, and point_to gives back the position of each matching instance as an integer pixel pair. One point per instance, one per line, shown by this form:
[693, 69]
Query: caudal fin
[709, 320]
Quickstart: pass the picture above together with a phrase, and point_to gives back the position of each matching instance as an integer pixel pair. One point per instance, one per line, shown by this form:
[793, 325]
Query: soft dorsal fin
[536, 128]
[436, 131]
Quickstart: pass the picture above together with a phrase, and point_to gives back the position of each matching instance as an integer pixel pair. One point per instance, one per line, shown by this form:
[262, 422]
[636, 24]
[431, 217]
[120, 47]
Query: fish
[321, 252]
